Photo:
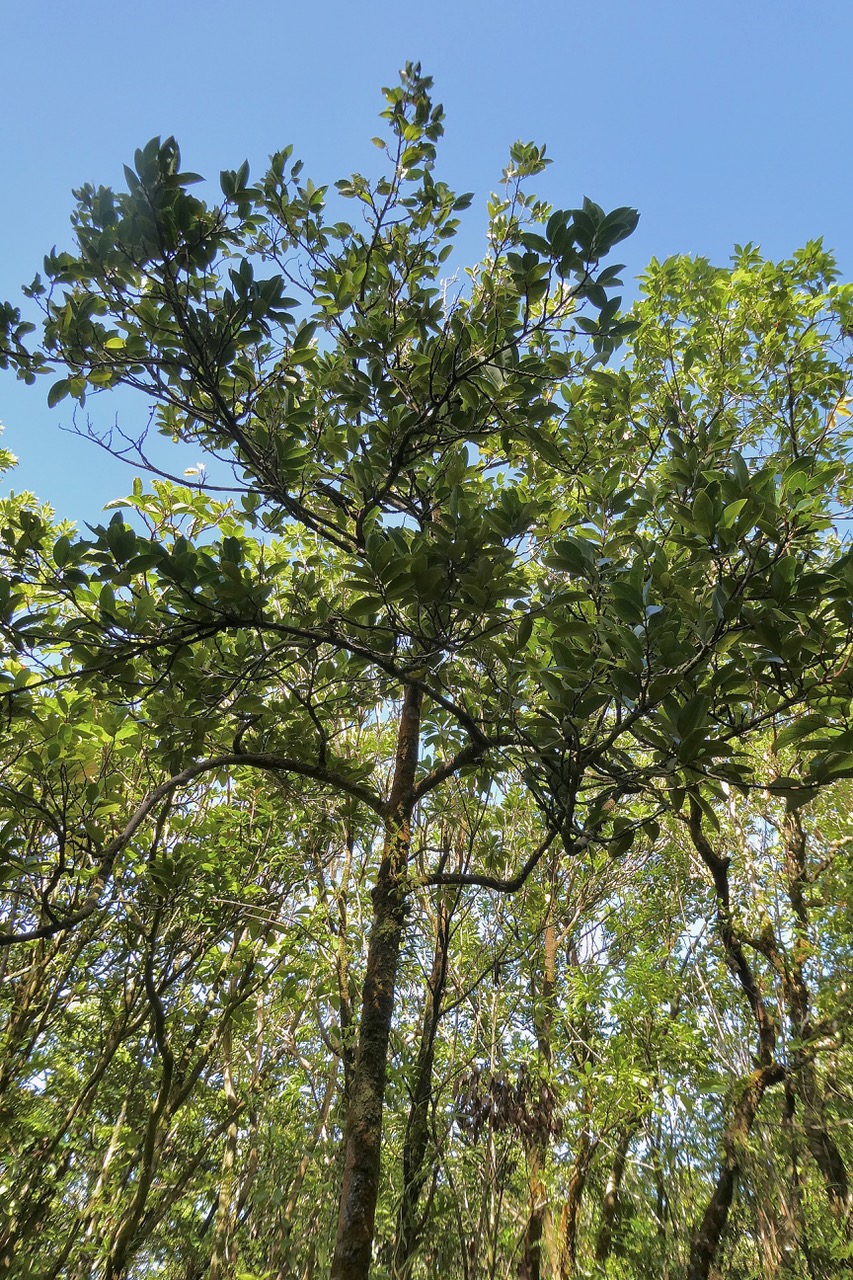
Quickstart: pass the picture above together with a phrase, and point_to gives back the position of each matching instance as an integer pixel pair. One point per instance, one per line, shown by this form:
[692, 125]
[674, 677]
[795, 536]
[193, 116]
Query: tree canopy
[423, 828]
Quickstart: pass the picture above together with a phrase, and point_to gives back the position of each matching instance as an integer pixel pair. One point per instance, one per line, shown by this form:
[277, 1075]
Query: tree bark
[223, 1256]
[610, 1203]
[363, 1128]
[284, 1260]
[415, 1169]
[821, 1144]
[708, 1237]
[709, 1234]
[538, 1220]
[570, 1217]
[342, 972]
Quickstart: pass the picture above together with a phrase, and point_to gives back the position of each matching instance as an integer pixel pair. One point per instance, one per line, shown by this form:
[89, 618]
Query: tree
[466, 553]
[341, 437]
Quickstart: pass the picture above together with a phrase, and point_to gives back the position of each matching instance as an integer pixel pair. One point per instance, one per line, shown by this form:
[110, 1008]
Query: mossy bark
[610, 1203]
[363, 1128]
[538, 1226]
[415, 1162]
[709, 1234]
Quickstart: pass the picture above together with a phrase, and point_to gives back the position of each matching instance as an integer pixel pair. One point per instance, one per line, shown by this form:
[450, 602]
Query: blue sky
[720, 121]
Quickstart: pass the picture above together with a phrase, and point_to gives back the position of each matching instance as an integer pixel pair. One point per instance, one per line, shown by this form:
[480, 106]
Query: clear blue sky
[720, 121]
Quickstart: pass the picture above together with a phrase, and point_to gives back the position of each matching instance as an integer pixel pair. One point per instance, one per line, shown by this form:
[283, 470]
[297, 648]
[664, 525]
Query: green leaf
[703, 513]
[731, 511]
[62, 551]
[58, 392]
[367, 606]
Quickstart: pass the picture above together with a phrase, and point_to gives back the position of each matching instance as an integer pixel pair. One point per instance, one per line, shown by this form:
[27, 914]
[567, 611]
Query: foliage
[466, 776]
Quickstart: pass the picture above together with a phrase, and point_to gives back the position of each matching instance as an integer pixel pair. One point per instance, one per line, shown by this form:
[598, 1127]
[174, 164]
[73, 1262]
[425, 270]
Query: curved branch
[511, 885]
[469, 754]
[253, 759]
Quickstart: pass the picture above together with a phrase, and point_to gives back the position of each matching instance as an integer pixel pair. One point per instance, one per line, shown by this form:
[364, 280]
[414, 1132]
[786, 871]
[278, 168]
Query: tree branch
[252, 759]
[511, 885]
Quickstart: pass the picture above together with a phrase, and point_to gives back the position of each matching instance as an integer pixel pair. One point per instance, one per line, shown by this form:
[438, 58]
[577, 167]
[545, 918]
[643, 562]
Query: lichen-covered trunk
[707, 1240]
[530, 1267]
[610, 1203]
[363, 1128]
[342, 968]
[709, 1234]
[539, 1213]
[223, 1257]
[822, 1146]
[570, 1217]
[415, 1170]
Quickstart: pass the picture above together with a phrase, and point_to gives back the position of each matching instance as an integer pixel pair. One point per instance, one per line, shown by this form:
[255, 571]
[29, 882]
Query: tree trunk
[122, 1246]
[417, 1129]
[586, 1143]
[708, 1238]
[610, 1204]
[284, 1261]
[363, 1128]
[570, 1217]
[342, 972]
[223, 1257]
[530, 1267]
[709, 1235]
[537, 1148]
[822, 1146]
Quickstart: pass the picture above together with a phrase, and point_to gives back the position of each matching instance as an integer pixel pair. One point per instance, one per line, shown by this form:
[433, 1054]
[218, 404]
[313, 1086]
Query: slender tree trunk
[661, 1201]
[96, 1212]
[610, 1203]
[342, 969]
[796, 1213]
[530, 1267]
[709, 1234]
[538, 1221]
[586, 1143]
[123, 1241]
[790, 970]
[415, 1170]
[708, 1237]
[251, 1161]
[284, 1259]
[822, 1146]
[363, 1129]
[570, 1217]
[222, 1258]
